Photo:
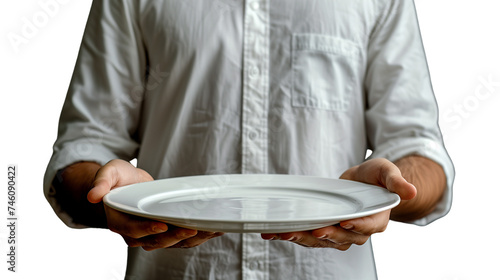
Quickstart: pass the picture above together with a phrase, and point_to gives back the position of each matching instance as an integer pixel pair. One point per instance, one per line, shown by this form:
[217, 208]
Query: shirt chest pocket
[324, 69]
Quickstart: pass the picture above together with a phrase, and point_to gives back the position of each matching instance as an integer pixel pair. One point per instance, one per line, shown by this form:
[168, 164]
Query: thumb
[395, 182]
[116, 173]
[106, 178]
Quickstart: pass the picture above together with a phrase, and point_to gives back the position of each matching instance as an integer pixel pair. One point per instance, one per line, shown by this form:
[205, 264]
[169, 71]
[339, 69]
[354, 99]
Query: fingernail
[268, 237]
[348, 226]
[293, 238]
[188, 233]
[159, 229]
[322, 237]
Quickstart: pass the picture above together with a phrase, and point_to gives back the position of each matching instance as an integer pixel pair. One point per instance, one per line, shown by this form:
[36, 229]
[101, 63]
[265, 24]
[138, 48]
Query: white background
[462, 43]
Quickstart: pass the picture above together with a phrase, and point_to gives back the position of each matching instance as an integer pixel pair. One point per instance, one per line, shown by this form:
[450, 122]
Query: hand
[379, 172]
[137, 231]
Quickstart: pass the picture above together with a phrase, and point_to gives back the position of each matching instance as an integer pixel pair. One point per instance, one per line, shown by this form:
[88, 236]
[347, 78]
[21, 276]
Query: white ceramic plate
[251, 203]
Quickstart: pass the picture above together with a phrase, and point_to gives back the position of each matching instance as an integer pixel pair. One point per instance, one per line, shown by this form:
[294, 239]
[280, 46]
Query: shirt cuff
[61, 158]
[430, 149]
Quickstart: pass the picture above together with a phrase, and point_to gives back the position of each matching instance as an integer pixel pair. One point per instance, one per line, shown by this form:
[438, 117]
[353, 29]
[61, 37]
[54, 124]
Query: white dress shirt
[194, 87]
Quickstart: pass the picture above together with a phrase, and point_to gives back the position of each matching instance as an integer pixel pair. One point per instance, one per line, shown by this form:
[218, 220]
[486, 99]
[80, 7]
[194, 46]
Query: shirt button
[253, 72]
[255, 5]
[252, 135]
[253, 265]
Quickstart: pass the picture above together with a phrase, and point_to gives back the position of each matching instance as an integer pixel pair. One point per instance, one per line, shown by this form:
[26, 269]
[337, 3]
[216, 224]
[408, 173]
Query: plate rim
[392, 201]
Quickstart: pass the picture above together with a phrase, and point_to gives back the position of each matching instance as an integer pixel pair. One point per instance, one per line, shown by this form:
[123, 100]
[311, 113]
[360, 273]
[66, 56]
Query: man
[221, 86]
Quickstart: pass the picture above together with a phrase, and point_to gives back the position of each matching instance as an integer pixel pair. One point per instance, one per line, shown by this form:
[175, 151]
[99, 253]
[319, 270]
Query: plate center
[251, 204]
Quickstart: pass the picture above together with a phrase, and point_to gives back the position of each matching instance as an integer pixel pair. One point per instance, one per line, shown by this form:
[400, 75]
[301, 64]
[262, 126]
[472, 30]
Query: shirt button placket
[254, 122]
[255, 5]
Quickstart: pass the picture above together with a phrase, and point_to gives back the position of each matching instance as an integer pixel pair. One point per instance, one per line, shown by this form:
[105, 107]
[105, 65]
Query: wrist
[72, 185]
[429, 179]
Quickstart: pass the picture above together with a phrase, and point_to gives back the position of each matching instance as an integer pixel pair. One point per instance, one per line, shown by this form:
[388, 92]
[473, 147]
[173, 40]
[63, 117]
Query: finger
[197, 240]
[165, 240]
[368, 225]
[340, 235]
[132, 226]
[328, 237]
[269, 236]
[307, 239]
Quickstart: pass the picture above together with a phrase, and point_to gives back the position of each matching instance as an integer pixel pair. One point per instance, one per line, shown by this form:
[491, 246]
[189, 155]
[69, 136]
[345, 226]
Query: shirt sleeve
[100, 115]
[402, 114]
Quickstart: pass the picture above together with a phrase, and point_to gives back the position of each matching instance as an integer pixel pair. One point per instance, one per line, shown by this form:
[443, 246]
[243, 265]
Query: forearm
[430, 181]
[72, 185]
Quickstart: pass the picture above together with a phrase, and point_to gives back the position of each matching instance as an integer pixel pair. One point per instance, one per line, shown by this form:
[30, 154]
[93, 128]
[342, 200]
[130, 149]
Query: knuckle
[314, 245]
[185, 245]
[132, 243]
[205, 234]
[191, 244]
[322, 244]
[154, 243]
